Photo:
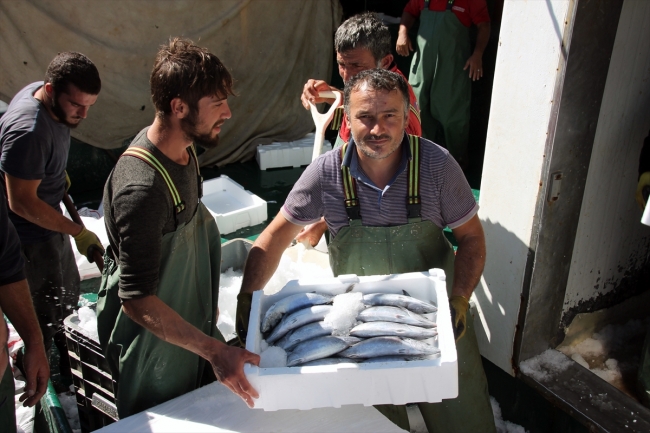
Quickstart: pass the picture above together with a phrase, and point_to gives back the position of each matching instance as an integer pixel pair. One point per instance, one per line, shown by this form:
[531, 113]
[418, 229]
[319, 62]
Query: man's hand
[86, 241]
[242, 316]
[475, 65]
[459, 306]
[404, 45]
[310, 93]
[228, 365]
[644, 181]
[312, 233]
[37, 372]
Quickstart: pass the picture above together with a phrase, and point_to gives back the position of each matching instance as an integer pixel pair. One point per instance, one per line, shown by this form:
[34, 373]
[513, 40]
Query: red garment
[414, 127]
[467, 11]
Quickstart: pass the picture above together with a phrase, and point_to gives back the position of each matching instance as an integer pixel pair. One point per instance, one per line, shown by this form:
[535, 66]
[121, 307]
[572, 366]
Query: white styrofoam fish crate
[288, 154]
[428, 380]
[231, 205]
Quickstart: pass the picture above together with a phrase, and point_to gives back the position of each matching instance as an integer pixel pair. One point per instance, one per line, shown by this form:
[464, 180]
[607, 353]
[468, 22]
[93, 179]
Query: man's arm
[404, 45]
[262, 261]
[475, 61]
[470, 257]
[24, 201]
[227, 362]
[16, 303]
[264, 256]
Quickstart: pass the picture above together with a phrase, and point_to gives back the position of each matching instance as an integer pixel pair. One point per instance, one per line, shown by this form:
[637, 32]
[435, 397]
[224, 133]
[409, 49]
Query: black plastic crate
[94, 386]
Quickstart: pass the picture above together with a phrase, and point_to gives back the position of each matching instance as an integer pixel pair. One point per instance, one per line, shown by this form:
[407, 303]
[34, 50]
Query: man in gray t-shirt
[34, 144]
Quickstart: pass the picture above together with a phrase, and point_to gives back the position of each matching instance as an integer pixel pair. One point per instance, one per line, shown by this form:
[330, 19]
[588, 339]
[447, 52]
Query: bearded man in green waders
[157, 306]
[402, 191]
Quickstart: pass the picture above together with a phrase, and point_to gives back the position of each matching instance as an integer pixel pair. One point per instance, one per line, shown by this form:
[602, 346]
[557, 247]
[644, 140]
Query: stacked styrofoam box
[429, 380]
[288, 154]
[231, 205]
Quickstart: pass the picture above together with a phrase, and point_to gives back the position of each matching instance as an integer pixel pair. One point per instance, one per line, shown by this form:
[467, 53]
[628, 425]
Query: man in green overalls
[157, 307]
[386, 196]
[442, 89]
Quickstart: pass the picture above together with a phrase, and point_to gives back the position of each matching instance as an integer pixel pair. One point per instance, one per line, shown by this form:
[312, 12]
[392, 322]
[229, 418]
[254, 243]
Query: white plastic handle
[322, 120]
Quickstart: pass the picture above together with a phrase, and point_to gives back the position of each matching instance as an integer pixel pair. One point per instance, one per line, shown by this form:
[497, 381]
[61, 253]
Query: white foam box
[288, 154]
[429, 380]
[232, 206]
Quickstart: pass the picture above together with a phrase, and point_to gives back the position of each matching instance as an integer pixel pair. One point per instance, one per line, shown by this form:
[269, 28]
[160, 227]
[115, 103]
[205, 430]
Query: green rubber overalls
[148, 370]
[441, 87]
[415, 247]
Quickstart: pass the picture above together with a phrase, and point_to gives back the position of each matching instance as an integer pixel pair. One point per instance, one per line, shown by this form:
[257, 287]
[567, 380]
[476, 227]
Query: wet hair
[186, 71]
[364, 31]
[378, 80]
[73, 68]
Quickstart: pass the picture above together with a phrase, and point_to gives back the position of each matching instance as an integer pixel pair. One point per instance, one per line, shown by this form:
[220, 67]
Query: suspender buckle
[413, 210]
[354, 212]
[180, 207]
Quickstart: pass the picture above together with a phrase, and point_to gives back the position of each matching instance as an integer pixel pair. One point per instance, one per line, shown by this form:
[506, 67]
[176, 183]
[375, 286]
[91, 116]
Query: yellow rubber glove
[244, 301]
[644, 181]
[68, 182]
[86, 241]
[459, 306]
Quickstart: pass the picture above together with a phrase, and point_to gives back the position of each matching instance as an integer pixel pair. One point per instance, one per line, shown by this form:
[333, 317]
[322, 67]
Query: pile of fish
[391, 327]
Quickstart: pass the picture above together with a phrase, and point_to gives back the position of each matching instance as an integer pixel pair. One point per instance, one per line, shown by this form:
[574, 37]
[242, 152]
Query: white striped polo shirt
[446, 197]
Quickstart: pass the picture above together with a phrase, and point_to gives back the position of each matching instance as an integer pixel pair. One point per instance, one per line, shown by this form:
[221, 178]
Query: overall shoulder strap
[413, 204]
[352, 206]
[337, 120]
[450, 4]
[148, 157]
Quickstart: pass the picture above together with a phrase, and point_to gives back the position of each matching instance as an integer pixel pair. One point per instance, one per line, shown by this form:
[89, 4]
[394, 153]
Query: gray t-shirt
[34, 146]
[139, 211]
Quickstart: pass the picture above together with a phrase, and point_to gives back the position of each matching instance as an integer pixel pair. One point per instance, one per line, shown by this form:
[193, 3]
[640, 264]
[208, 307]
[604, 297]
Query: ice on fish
[297, 319]
[378, 329]
[344, 312]
[317, 348]
[273, 357]
[394, 300]
[304, 333]
[394, 314]
[291, 304]
[387, 346]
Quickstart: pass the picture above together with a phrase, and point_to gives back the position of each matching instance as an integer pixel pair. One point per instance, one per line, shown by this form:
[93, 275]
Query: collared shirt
[446, 197]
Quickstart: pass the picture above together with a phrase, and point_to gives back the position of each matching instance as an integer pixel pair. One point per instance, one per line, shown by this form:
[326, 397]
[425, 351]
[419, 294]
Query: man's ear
[49, 90]
[386, 62]
[179, 108]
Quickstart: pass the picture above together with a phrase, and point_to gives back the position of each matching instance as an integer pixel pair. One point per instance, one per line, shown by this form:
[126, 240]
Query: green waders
[415, 247]
[148, 370]
[441, 87]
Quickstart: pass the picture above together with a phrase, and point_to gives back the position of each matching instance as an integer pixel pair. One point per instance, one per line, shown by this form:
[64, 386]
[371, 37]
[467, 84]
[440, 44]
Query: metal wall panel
[612, 248]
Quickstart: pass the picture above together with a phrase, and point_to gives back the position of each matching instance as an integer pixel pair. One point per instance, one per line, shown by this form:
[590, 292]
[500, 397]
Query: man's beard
[60, 114]
[206, 141]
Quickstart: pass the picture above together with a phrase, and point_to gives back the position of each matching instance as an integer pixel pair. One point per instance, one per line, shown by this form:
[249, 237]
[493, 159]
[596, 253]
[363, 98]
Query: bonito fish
[329, 361]
[317, 348]
[378, 329]
[291, 304]
[394, 314]
[393, 300]
[304, 333]
[388, 346]
[298, 319]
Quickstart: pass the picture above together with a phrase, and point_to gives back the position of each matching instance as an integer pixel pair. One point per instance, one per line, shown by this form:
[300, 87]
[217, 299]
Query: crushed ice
[545, 365]
[343, 316]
